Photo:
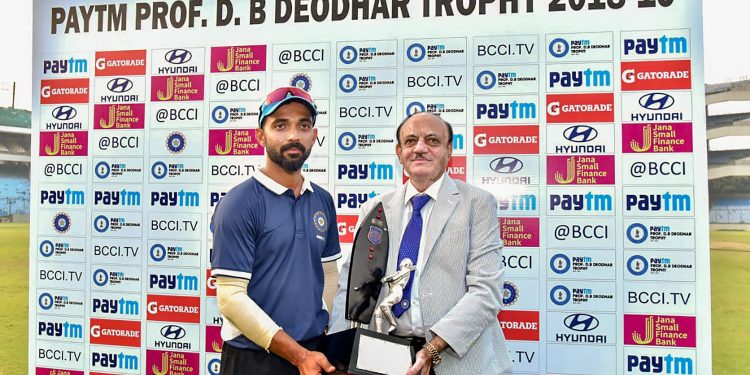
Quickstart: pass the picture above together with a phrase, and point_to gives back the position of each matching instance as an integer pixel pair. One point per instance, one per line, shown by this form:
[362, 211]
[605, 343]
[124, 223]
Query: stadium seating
[718, 121]
[14, 193]
[718, 88]
[730, 211]
[15, 144]
[14, 173]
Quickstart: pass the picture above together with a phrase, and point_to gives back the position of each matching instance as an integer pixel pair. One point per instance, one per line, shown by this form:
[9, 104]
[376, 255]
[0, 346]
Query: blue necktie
[410, 248]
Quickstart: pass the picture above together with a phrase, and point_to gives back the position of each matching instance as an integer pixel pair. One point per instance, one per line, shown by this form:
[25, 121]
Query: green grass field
[730, 236]
[14, 289]
[730, 307]
[730, 283]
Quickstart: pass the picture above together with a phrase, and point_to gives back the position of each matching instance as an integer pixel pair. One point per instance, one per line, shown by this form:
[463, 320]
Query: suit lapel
[441, 212]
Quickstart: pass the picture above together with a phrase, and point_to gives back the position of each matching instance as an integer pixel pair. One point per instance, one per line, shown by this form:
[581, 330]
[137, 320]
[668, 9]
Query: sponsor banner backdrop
[581, 264]
[655, 361]
[582, 328]
[581, 139]
[659, 233]
[595, 362]
[585, 120]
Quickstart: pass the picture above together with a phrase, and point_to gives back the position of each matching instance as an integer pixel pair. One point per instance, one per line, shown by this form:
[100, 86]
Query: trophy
[396, 283]
[358, 350]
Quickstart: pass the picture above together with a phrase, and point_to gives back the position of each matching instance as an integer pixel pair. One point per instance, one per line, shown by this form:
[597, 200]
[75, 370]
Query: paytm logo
[117, 198]
[215, 197]
[68, 196]
[71, 65]
[662, 45]
[665, 202]
[512, 110]
[175, 198]
[652, 364]
[580, 202]
[117, 361]
[66, 329]
[353, 200]
[115, 306]
[580, 78]
[372, 171]
[458, 142]
[517, 202]
[174, 282]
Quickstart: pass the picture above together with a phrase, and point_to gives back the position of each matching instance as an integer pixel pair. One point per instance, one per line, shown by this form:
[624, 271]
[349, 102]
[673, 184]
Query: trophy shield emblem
[375, 235]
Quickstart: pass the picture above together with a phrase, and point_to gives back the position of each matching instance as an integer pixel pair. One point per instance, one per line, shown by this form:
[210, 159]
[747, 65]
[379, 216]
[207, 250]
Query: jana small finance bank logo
[660, 330]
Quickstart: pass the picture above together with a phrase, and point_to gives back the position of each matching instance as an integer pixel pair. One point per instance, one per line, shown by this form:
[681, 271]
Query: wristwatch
[434, 354]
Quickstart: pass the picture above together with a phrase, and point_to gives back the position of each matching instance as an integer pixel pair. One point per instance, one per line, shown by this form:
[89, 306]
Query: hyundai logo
[656, 101]
[64, 112]
[581, 322]
[173, 332]
[580, 133]
[506, 165]
[120, 85]
[178, 56]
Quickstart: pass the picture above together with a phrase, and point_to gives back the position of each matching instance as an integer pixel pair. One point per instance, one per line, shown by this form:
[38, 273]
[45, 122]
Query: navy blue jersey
[264, 234]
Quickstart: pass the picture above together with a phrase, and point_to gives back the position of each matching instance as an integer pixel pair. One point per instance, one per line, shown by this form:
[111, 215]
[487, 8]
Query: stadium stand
[718, 158]
[719, 121]
[730, 211]
[15, 161]
[730, 215]
[728, 170]
[18, 118]
[726, 92]
[14, 191]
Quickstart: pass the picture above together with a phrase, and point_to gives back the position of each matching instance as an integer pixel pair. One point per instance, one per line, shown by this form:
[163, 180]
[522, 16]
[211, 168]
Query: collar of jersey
[279, 189]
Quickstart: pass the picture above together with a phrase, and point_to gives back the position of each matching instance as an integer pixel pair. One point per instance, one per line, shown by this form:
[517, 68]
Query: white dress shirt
[410, 323]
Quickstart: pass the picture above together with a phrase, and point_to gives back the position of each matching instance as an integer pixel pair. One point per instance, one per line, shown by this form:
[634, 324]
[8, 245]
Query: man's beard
[290, 165]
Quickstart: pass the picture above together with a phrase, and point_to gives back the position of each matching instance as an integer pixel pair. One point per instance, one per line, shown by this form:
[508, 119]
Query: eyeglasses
[285, 92]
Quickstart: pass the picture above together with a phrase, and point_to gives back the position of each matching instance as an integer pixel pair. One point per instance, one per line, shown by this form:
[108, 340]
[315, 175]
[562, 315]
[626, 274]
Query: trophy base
[360, 351]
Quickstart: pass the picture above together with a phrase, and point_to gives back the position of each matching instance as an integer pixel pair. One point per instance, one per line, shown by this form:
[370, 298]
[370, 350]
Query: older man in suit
[449, 230]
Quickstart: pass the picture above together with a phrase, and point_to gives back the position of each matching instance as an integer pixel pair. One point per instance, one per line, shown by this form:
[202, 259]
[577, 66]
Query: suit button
[405, 304]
